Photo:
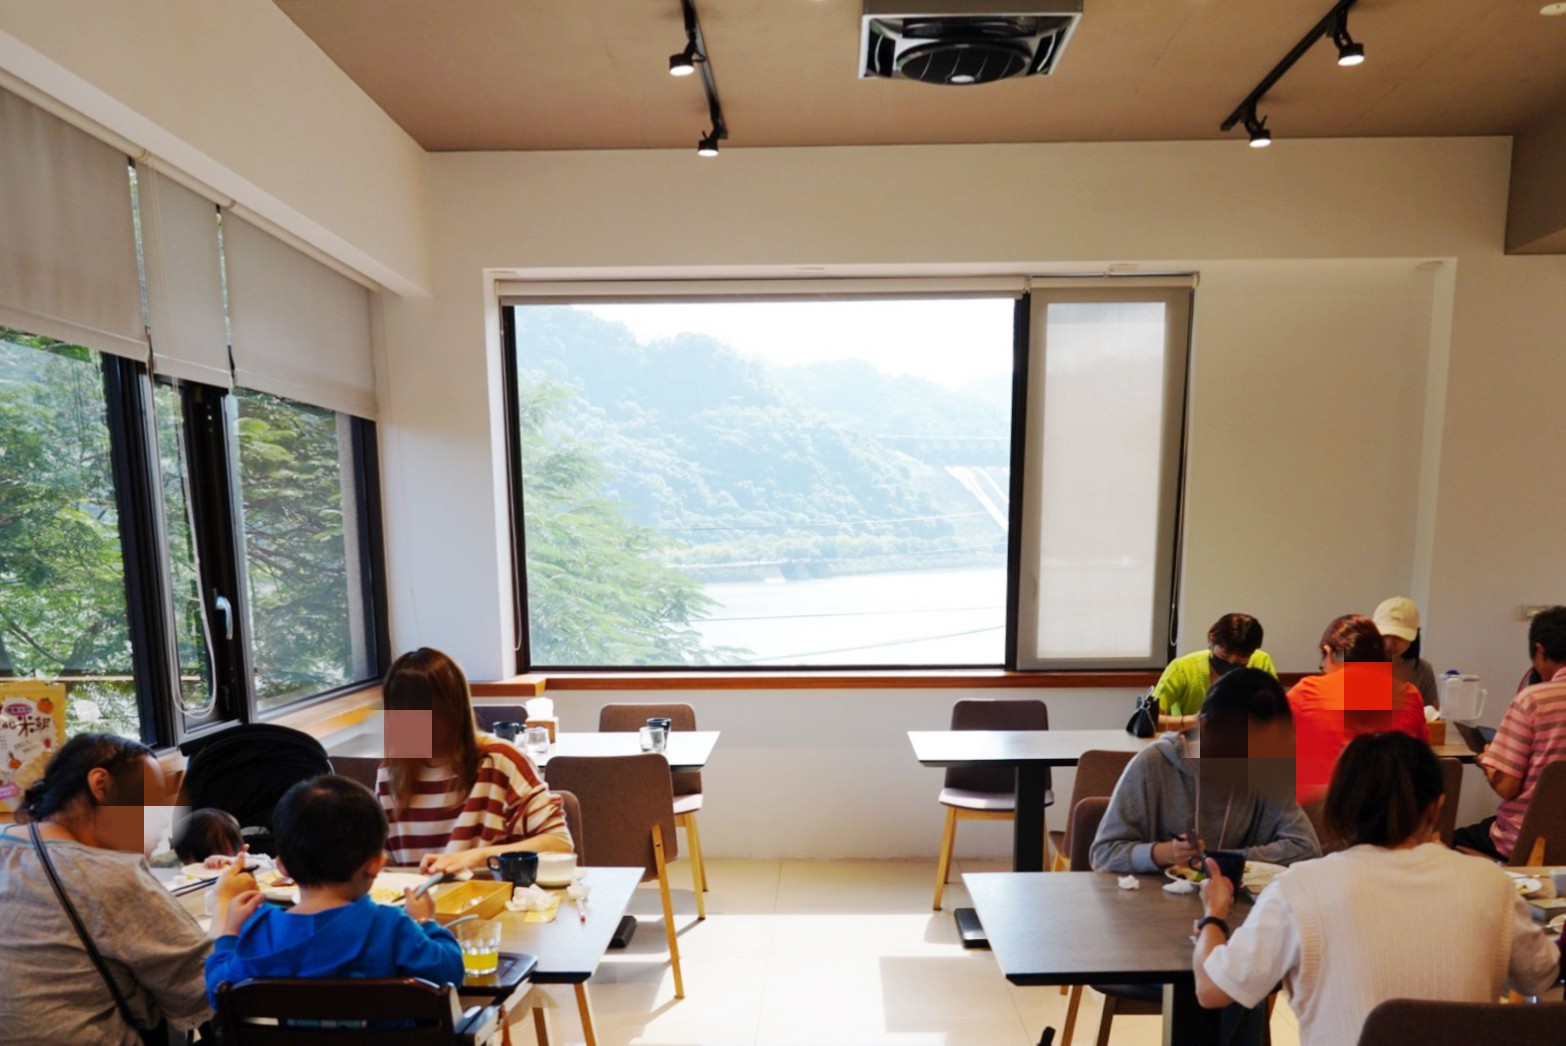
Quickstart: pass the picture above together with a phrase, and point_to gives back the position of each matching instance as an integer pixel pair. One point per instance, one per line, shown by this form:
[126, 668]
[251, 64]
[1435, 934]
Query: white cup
[652, 738]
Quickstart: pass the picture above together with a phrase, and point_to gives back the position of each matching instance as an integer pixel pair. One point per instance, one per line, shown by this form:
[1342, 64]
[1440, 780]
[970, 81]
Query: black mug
[519, 867]
[508, 731]
[663, 721]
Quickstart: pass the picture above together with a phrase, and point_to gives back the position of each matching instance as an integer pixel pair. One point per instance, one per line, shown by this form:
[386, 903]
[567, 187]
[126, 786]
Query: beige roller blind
[299, 329]
[184, 281]
[67, 240]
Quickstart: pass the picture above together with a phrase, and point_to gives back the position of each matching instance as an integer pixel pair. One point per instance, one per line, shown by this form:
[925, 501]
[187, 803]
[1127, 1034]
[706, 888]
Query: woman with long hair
[86, 816]
[1397, 915]
[1397, 619]
[1356, 693]
[455, 796]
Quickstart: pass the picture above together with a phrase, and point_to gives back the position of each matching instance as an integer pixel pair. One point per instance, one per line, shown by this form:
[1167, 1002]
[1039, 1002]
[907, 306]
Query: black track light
[708, 146]
[1260, 136]
[684, 63]
[1349, 52]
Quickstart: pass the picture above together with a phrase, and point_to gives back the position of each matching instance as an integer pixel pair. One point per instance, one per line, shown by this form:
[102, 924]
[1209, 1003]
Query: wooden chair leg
[1536, 855]
[1105, 1021]
[1272, 1002]
[943, 867]
[1071, 1013]
[698, 868]
[584, 1007]
[541, 1025]
[668, 911]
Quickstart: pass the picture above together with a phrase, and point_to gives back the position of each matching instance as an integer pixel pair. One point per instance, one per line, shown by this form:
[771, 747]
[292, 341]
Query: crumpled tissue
[1129, 882]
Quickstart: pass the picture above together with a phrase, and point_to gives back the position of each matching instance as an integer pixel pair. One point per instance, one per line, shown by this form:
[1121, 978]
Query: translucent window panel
[765, 483]
[303, 574]
[190, 626]
[1100, 495]
[62, 573]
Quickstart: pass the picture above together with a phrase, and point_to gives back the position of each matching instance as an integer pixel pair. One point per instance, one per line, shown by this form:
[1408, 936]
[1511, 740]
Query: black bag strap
[81, 930]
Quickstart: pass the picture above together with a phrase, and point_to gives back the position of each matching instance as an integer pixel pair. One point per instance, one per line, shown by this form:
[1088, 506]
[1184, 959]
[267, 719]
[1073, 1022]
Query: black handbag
[1144, 721]
[159, 1035]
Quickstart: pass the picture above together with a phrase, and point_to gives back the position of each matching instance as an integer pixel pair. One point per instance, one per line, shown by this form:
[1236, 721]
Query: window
[745, 479]
[197, 690]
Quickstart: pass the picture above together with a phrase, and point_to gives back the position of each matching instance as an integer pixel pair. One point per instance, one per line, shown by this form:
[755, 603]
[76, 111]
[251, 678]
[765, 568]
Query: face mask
[1221, 667]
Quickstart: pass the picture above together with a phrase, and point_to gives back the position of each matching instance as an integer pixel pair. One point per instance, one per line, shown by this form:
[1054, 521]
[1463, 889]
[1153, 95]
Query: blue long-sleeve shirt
[362, 939]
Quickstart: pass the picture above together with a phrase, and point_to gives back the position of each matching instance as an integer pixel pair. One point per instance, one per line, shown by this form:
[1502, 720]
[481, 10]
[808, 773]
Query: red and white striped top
[507, 803]
[1531, 736]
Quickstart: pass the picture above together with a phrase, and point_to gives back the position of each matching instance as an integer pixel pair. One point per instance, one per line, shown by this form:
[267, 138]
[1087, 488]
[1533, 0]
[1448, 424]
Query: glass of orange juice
[480, 940]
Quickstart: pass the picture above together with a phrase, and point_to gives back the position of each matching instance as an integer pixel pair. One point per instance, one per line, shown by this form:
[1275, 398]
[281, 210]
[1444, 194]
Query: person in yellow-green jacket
[1233, 642]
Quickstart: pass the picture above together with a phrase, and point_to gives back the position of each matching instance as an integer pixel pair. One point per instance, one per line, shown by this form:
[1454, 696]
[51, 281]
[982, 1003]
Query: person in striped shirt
[454, 796]
[1532, 735]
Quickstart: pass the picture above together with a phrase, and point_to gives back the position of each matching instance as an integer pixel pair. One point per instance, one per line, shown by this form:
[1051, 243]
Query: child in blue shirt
[331, 840]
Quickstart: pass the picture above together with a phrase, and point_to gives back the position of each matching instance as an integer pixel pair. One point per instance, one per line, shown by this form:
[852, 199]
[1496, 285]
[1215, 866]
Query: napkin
[1180, 886]
[538, 906]
[1129, 882]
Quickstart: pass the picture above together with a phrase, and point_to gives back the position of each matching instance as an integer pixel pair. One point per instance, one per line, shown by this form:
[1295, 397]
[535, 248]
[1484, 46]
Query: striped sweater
[507, 803]
[1532, 735]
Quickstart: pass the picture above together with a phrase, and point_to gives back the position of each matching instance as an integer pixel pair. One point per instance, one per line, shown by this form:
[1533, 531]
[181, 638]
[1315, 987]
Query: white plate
[1526, 885]
[1259, 873]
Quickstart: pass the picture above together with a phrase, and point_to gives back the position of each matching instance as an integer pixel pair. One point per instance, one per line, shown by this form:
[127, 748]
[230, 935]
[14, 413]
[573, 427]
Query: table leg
[541, 1026]
[584, 1007]
[1027, 847]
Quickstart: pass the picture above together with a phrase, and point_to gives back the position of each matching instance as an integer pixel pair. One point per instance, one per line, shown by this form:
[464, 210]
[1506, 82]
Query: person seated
[331, 840]
[1396, 915]
[1228, 790]
[1531, 736]
[208, 836]
[1356, 693]
[1233, 642]
[1397, 619]
[455, 796]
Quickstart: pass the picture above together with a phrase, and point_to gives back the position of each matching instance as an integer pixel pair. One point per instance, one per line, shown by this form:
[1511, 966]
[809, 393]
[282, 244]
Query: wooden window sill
[534, 683]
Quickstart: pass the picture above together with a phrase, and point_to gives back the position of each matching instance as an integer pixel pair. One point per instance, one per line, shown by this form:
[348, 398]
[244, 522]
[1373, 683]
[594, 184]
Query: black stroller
[245, 771]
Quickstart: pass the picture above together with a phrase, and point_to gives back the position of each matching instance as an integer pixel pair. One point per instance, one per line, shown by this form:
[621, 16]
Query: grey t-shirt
[152, 946]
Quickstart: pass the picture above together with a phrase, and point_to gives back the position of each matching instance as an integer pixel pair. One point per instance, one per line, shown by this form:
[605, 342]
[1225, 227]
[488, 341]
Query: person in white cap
[1398, 621]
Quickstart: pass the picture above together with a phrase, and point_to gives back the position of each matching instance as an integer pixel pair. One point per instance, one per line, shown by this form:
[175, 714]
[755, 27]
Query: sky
[949, 341]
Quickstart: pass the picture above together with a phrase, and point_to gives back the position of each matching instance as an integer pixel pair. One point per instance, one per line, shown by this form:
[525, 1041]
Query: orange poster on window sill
[32, 727]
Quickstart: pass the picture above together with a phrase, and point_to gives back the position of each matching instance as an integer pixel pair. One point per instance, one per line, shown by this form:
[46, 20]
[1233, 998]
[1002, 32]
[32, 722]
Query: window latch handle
[225, 608]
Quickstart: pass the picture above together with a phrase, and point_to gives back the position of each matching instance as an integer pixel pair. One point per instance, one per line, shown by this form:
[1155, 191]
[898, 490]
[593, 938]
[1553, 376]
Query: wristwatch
[1212, 920]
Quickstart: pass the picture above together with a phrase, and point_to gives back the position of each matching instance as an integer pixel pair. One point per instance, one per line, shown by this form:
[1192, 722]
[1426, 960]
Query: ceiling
[593, 74]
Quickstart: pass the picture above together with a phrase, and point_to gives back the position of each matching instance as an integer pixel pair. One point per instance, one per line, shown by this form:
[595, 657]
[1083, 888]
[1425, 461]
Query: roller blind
[299, 329]
[67, 240]
[184, 281]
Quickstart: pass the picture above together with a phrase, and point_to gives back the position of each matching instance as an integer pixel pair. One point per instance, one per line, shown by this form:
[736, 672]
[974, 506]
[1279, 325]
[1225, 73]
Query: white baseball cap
[1398, 616]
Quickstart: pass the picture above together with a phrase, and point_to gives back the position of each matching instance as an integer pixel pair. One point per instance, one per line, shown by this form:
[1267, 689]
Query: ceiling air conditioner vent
[961, 41]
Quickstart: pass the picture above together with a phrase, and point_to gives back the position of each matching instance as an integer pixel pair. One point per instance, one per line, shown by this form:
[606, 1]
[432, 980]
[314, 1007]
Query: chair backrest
[489, 715]
[401, 1011]
[246, 769]
[1545, 818]
[620, 719]
[1316, 813]
[1452, 788]
[1098, 772]
[992, 714]
[1085, 817]
[361, 768]
[622, 797]
[573, 816]
[1414, 1022]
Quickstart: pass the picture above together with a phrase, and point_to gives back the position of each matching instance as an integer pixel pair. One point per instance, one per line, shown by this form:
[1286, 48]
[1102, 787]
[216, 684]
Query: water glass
[652, 738]
[480, 941]
[537, 740]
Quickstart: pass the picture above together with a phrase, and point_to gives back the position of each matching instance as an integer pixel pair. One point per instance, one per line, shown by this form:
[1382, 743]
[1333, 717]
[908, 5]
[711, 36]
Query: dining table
[684, 749]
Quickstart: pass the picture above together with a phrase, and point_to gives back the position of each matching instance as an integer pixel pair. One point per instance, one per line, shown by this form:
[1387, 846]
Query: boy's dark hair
[206, 832]
[1381, 787]
[326, 828]
[1236, 633]
[1549, 629]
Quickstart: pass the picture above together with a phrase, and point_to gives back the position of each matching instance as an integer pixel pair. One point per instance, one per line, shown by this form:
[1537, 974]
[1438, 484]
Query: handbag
[1144, 721]
[160, 1034]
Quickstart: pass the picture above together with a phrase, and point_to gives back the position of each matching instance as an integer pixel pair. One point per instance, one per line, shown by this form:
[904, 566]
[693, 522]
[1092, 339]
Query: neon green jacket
[1184, 684]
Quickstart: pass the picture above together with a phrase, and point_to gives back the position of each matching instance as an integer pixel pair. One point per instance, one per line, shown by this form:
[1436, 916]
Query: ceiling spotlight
[1349, 52]
[684, 63]
[708, 146]
[1260, 136]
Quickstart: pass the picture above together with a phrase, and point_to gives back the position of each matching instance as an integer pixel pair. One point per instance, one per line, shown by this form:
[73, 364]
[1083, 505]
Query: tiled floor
[823, 952]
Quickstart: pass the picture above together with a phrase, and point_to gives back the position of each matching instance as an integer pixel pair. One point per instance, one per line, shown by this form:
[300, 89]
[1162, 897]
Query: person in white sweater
[1394, 916]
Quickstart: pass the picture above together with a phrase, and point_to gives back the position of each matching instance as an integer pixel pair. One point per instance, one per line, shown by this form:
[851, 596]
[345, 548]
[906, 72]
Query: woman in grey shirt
[88, 807]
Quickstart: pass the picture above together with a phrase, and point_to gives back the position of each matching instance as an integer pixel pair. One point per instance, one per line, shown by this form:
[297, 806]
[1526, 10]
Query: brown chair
[264, 1012]
[1541, 838]
[1414, 1022]
[629, 802]
[1316, 814]
[617, 719]
[573, 817]
[1097, 774]
[984, 793]
[1128, 999]
[1452, 788]
[489, 715]
[361, 768]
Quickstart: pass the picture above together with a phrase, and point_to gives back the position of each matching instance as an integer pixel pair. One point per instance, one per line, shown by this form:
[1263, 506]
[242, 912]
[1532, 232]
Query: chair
[1414, 1022]
[573, 817]
[984, 793]
[613, 719]
[1316, 814]
[403, 1011]
[246, 769]
[361, 768]
[1452, 788]
[1128, 999]
[1097, 774]
[1541, 839]
[629, 801]
[488, 715]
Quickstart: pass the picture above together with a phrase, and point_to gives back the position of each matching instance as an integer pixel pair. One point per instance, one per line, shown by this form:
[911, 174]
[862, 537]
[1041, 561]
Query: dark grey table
[1081, 928]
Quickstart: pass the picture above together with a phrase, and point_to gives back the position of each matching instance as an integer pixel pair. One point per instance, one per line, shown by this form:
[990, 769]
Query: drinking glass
[480, 941]
[652, 738]
[537, 740]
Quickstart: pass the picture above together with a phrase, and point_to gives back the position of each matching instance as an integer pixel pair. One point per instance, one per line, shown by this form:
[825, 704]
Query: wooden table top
[570, 948]
[1458, 750]
[687, 749]
[1081, 928]
[1017, 747]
